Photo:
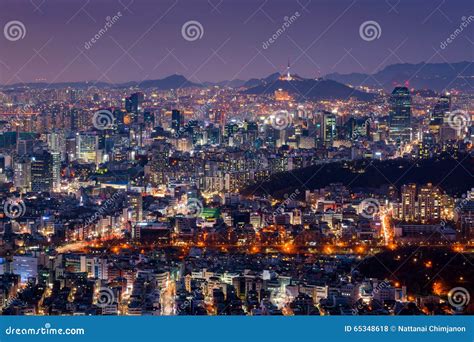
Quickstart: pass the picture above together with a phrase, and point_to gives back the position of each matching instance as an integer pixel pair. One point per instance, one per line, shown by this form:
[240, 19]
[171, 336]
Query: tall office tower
[429, 203]
[70, 147]
[42, 172]
[149, 118]
[86, 147]
[219, 117]
[24, 146]
[136, 205]
[133, 104]
[328, 128]
[409, 202]
[2, 169]
[22, 174]
[400, 115]
[176, 120]
[79, 119]
[57, 143]
[56, 158]
[72, 94]
[440, 110]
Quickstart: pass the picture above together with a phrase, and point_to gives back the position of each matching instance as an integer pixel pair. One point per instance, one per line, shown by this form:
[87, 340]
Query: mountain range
[435, 76]
[312, 89]
[301, 88]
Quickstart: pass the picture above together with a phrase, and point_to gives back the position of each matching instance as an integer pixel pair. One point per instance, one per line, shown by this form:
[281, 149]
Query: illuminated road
[167, 299]
[386, 229]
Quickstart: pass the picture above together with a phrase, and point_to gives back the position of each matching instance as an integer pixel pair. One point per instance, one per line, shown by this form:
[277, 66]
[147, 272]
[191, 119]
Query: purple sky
[146, 42]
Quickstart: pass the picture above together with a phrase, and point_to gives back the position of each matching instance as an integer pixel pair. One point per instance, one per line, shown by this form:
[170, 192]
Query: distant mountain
[314, 89]
[170, 82]
[39, 85]
[232, 84]
[254, 82]
[436, 76]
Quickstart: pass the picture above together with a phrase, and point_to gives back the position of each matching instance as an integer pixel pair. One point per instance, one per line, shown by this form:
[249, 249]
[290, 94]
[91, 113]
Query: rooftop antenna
[288, 75]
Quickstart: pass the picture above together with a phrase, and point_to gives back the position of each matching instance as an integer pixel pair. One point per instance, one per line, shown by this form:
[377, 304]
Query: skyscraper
[42, 172]
[400, 115]
[441, 109]
[329, 128]
[23, 174]
[176, 120]
[136, 206]
[56, 170]
[429, 203]
[409, 202]
[133, 104]
[86, 147]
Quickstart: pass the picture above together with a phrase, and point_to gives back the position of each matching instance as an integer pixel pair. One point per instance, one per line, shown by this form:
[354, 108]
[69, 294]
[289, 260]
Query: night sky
[146, 41]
